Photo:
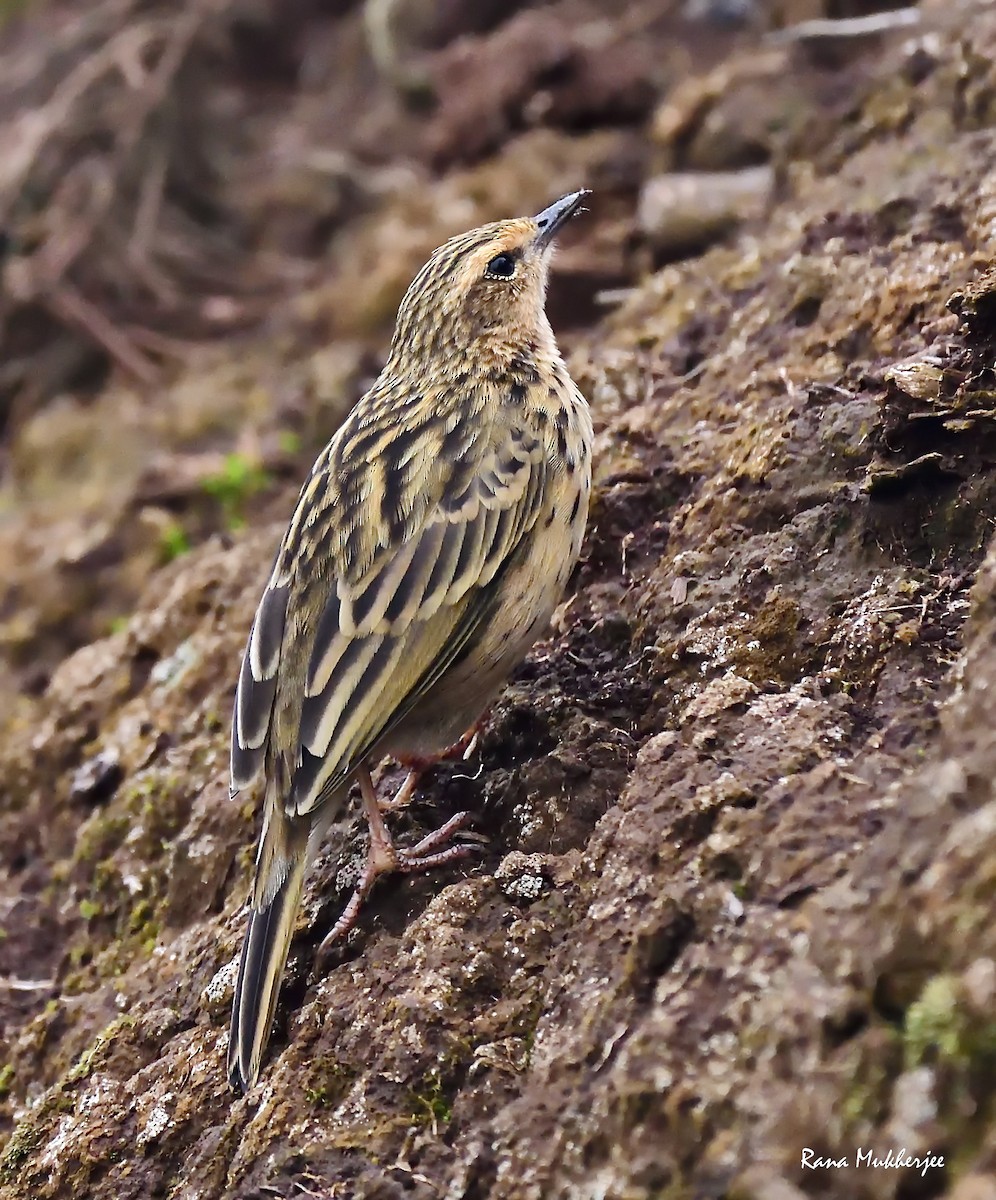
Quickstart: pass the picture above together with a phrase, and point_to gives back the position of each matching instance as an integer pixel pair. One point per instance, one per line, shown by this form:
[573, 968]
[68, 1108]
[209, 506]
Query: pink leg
[463, 748]
[403, 796]
[384, 858]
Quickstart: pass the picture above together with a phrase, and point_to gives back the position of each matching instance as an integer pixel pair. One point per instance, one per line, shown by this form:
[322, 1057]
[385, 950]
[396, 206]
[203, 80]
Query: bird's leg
[466, 744]
[403, 796]
[384, 858]
[417, 766]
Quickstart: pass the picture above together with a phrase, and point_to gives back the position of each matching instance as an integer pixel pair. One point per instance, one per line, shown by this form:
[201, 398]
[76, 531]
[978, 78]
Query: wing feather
[443, 569]
[380, 586]
[409, 596]
[322, 665]
[356, 654]
[257, 686]
[428, 603]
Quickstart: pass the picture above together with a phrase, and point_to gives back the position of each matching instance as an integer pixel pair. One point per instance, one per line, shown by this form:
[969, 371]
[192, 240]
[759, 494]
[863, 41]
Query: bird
[429, 547]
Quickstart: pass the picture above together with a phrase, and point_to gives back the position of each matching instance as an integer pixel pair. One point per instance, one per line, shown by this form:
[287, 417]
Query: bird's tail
[280, 871]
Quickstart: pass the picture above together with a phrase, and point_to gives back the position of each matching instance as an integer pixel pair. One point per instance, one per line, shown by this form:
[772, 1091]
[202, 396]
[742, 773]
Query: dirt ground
[736, 900]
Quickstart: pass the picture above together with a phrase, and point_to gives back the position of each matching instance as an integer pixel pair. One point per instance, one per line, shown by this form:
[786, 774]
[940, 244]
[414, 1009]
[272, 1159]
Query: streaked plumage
[429, 547]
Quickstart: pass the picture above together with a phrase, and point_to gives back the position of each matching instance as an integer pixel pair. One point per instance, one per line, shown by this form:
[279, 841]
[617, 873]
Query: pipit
[428, 549]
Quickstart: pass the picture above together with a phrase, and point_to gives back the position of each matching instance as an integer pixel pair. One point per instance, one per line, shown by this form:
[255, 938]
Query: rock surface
[737, 896]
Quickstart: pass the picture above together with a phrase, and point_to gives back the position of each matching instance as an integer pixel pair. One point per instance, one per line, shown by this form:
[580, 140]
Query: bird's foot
[426, 854]
[384, 858]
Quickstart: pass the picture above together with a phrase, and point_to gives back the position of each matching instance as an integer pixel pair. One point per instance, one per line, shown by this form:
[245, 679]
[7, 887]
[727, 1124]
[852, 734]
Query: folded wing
[395, 611]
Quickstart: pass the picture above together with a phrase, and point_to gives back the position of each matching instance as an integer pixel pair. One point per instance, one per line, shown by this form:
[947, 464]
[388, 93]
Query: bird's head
[484, 290]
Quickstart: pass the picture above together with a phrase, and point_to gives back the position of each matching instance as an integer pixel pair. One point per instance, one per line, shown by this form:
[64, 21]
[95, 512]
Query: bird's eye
[502, 266]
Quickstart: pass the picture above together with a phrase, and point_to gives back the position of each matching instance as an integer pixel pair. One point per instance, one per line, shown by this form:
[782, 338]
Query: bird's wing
[391, 595]
[258, 684]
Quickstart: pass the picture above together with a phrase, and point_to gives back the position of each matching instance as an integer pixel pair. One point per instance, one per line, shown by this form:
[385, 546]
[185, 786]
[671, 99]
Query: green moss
[122, 926]
[29, 1135]
[771, 648]
[944, 1031]
[939, 1026]
[24, 1141]
[328, 1083]
[6, 1079]
[140, 916]
[877, 1061]
[151, 809]
[143, 926]
[96, 1053]
[106, 877]
[430, 1104]
[103, 833]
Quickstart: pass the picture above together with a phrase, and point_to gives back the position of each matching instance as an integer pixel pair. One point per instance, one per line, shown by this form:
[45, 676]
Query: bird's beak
[551, 219]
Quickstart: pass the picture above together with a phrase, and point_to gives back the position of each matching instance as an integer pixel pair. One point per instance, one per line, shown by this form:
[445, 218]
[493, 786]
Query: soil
[735, 897]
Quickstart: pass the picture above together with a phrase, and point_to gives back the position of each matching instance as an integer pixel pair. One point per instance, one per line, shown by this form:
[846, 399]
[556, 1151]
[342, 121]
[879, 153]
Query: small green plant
[140, 916]
[173, 541]
[331, 1082]
[431, 1105]
[939, 1024]
[238, 480]
[89, 910]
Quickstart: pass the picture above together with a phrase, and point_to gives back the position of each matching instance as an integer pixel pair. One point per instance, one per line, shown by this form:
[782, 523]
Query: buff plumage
[428, 548]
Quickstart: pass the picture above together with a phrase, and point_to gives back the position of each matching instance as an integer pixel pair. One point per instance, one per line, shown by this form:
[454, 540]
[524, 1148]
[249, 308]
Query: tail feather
[277, 896]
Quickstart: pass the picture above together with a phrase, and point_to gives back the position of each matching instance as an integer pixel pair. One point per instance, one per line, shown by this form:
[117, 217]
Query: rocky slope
[737, 894]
